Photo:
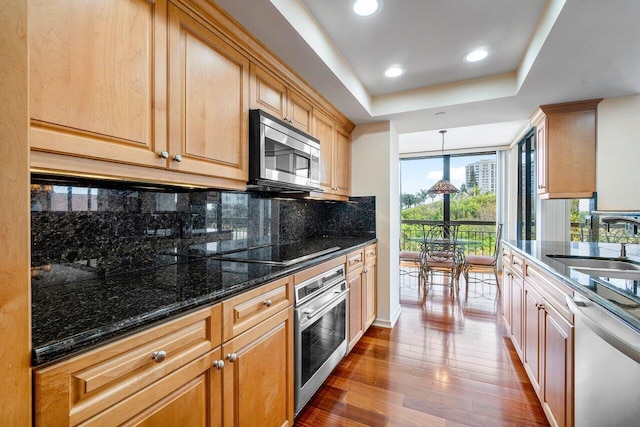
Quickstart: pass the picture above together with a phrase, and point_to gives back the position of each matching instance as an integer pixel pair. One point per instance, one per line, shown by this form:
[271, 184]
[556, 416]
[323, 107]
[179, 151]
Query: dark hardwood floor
[445, 363]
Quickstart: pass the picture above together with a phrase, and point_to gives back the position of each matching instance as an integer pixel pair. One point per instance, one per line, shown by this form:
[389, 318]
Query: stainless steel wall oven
[321, 327]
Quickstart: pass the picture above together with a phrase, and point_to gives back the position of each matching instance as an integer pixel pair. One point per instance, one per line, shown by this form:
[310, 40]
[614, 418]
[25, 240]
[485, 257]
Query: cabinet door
[181, 398]
[98, 79]
[258, 375]
[557, 384]
[208, 99]
[324, 130]
[356, 326]
[196, 403]
[370, 297]
[342, 163]
[516, 313]
[268, 93]
[541, 158]
[299, 111]
[533, 336]
[506, 298]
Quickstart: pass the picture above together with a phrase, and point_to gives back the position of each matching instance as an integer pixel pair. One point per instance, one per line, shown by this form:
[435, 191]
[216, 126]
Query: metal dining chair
[409, 261]
[484, 264]
[440, 255]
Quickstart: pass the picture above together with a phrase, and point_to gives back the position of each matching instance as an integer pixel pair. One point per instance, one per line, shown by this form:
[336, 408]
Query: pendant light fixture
[443, 186]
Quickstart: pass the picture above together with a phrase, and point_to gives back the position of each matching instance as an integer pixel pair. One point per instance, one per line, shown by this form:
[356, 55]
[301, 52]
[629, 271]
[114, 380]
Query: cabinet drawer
[252, 307]
[552, 290]
[355, 259]
[370, 253]
[517, 263]
[75, 390]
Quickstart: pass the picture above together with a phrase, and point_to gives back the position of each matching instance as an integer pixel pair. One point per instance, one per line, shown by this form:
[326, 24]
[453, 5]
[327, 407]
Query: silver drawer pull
[218, 364]
[159, 356]
[232, 357]
[268, 302]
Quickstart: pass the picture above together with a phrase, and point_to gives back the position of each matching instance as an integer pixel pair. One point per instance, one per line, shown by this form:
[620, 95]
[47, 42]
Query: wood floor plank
[446, 363]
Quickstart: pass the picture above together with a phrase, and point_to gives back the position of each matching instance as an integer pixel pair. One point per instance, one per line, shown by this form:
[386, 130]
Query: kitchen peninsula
[575, 329]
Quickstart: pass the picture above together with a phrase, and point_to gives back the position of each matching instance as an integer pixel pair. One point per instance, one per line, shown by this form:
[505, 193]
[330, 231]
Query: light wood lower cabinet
[113, 383]
[370, 276]
[258, 375]
[512, 296]
[356, 292]
[542, 333]
[184, 372]
[362, 282]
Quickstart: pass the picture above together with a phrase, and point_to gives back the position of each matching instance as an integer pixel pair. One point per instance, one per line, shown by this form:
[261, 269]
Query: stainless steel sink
[601, 267]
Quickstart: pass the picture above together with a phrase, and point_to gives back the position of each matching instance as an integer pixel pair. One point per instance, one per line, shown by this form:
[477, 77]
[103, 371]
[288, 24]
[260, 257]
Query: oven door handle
[322, 310]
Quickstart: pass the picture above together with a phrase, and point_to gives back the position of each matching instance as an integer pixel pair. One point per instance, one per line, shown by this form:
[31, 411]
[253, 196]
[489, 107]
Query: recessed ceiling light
[394, 71]
[476, 55]
[366, 7]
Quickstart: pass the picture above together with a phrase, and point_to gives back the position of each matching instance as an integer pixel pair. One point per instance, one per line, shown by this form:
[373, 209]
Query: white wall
[618, 154]
[375, 171]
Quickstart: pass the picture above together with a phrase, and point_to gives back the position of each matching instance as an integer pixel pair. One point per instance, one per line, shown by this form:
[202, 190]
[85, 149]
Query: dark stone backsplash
[86, 229]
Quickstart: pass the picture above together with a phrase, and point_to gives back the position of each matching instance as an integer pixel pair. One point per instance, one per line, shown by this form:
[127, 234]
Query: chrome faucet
[621, 219]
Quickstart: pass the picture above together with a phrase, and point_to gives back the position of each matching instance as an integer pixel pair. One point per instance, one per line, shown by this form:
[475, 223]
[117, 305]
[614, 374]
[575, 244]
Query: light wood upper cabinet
[566, 149]
[272, 95]
[335, 155]
[324, 130]
[208, 101]
[147, 91]
[342, 162]
[98, 78]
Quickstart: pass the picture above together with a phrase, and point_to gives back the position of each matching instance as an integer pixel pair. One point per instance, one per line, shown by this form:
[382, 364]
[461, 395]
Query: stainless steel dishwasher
[607, 367]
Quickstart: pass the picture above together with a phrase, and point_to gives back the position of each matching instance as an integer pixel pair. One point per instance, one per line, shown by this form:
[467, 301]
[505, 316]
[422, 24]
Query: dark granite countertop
[71, 317]
[621, 297]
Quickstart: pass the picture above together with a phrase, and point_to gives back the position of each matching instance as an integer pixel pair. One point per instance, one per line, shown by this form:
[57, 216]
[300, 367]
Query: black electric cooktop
[280, 255]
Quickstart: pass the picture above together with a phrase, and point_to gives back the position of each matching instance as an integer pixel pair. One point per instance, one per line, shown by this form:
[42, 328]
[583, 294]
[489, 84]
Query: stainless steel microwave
[281, 158]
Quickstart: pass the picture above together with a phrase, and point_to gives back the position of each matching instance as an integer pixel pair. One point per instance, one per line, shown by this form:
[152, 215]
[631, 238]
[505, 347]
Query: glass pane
[322, 339]
[417, 176]
[476, 177]
[283, 158]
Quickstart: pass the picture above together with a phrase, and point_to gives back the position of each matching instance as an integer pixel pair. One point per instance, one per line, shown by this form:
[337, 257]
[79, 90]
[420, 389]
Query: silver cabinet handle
[177, 158]
[163, 155]
[159, 356]
[232, 357]
[268, 302]
[218, 364]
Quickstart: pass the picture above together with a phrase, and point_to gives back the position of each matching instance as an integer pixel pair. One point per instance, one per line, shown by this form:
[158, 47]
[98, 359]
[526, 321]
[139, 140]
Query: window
[474, 175]
[526, 187]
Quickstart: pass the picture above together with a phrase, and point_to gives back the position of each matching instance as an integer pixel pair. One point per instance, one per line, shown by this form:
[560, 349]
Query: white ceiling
[541, 52]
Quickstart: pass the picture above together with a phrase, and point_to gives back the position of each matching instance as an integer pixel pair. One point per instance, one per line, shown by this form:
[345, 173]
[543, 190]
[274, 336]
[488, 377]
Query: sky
[419, 174]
